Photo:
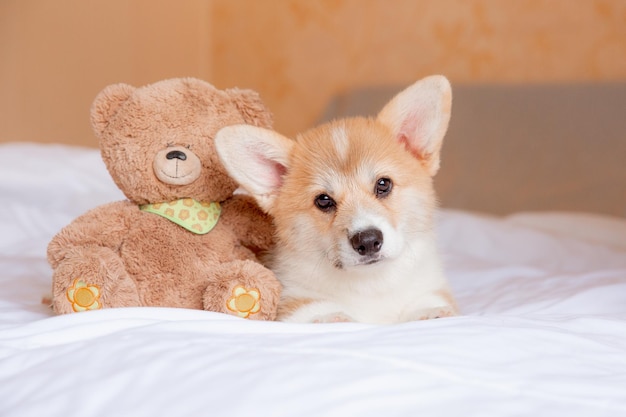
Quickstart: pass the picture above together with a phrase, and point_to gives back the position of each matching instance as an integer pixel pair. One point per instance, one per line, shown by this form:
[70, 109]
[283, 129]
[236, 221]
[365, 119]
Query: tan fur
[314, 159]
[327, 273]
[137, 258]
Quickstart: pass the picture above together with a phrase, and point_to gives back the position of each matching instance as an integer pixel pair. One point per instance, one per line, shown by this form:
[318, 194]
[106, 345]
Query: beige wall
[55, 55]
[297, 53]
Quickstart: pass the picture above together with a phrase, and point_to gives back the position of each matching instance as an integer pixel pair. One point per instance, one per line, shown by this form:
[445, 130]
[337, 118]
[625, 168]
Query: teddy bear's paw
[82, 296]
[244, 289]
[91, 280]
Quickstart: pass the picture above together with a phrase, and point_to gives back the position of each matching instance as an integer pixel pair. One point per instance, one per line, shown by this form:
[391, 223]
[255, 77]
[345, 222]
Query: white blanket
[543, 329]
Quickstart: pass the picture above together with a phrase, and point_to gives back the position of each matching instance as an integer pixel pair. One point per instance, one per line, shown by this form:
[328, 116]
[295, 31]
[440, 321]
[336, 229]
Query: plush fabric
[157, 144]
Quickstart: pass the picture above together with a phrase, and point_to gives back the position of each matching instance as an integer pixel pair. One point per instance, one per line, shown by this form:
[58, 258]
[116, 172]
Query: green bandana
[197, 217]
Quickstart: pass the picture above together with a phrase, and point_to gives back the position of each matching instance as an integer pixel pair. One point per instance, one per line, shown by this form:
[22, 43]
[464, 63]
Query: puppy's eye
[324, 202]
[383, 187]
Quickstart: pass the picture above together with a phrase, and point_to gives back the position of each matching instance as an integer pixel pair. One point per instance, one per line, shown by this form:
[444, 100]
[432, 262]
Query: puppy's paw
[332, 318]
[437, 313]
[307, 310]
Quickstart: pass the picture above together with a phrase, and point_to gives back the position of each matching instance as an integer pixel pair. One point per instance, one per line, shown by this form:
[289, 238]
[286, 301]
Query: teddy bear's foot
[91, 279]
[244, 289]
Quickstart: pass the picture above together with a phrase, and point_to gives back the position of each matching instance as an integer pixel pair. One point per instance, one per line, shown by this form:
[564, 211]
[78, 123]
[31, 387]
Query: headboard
[522, 147]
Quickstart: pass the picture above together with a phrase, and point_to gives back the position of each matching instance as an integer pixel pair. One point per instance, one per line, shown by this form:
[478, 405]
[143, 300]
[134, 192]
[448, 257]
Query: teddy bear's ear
[106, 103]
[249, 104]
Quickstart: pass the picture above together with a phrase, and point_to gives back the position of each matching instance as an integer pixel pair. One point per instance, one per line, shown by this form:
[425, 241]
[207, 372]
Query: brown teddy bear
[182, 239]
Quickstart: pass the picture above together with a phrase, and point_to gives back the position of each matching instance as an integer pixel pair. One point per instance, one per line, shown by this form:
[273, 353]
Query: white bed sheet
[543, 329]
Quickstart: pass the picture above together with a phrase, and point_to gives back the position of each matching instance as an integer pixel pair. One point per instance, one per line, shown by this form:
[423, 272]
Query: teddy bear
[184, 237]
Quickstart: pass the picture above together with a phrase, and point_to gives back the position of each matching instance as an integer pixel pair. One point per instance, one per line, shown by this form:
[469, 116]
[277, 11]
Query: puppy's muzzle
[367, 243]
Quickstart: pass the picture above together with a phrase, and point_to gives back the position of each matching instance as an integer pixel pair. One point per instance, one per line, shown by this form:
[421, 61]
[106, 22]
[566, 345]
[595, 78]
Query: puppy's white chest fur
[410, 287]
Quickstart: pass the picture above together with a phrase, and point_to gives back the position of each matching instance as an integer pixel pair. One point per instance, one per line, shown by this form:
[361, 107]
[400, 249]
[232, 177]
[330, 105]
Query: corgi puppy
[353, 205]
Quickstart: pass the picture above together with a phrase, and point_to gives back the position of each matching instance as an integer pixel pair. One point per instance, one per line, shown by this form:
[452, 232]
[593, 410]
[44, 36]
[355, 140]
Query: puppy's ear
[419, 117]
[256, 158]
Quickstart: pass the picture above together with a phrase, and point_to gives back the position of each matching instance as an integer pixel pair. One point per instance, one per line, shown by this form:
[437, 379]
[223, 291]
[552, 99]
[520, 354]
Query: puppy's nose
[367, 242]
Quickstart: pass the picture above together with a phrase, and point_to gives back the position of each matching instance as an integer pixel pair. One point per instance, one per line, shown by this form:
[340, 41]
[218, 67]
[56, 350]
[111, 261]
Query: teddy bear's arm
[104, 226]
[254, 229]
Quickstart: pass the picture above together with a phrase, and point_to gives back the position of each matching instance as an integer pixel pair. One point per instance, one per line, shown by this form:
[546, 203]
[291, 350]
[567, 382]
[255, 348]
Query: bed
[542, 330]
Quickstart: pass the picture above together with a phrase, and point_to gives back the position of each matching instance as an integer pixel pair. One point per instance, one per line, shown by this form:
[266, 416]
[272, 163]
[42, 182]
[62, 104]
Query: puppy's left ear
[418, 116]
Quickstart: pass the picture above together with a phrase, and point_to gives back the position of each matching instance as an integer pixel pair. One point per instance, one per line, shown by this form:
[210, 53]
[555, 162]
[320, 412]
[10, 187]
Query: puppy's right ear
[418, 116]
[256, 158]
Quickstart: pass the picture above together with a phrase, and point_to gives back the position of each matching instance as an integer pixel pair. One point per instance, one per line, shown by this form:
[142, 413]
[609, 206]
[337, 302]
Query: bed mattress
[542, 330]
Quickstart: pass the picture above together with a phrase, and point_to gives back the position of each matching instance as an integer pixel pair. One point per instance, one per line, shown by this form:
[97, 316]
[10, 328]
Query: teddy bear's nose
[176, 155]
